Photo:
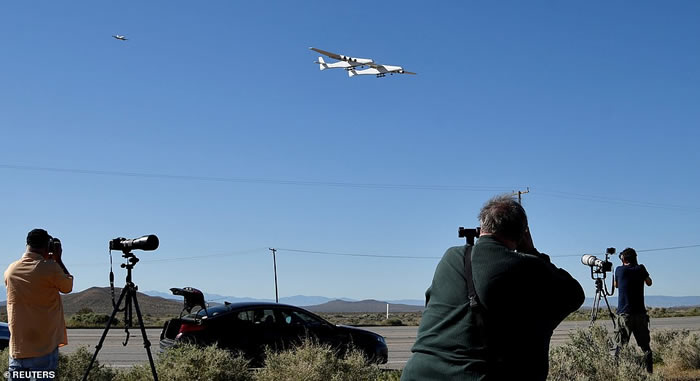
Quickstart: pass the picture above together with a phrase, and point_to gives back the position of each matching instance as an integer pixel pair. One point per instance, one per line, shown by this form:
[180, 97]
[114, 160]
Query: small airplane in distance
[120, 37]
[351, 64]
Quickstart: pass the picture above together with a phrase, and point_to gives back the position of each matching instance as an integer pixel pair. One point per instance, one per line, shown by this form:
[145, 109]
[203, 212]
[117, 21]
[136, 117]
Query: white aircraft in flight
[120, 37]
[351, 64]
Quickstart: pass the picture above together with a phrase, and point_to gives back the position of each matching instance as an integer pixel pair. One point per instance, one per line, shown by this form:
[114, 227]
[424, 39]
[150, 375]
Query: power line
[429, 257]
[340, 184]
[356, 254]
[639, 251]
[345, 184]
[365, 255]
[618, 201]
[195, 257]
[178, 259]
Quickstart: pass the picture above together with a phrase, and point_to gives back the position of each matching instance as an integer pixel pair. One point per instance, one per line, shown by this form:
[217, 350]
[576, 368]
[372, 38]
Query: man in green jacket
[521, 296]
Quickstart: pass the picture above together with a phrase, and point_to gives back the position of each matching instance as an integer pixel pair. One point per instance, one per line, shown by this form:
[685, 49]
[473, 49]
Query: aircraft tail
[321, 63]
[352, 73]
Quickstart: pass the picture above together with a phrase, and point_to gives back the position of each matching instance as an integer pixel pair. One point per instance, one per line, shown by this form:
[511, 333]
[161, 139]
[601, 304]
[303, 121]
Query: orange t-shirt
[34, 307]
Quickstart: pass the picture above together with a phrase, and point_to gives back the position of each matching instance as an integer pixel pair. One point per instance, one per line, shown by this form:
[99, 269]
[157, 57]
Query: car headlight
[381, 340]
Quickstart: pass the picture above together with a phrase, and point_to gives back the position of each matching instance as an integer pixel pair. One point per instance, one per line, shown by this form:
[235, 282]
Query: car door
[292, 328]
[266, 328]
[302, 324]
[237, 334]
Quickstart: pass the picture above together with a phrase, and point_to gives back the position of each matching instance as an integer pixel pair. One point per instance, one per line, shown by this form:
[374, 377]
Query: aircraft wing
[329, 54]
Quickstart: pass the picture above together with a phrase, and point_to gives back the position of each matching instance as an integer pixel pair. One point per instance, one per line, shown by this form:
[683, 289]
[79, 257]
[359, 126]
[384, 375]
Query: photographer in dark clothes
[632, 316]
[522, 298]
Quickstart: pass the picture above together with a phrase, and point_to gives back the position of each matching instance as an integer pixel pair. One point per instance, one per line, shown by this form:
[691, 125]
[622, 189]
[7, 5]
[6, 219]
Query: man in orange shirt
[34, 307]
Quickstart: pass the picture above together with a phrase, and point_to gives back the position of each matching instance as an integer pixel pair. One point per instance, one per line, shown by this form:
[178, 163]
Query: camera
[469, 234]
[146, 243]
[463, 233]
[54, 244]
[599, 266]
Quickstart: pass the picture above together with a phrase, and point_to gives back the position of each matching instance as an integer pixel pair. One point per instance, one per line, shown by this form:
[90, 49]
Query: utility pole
[520, 194]
[274, 261]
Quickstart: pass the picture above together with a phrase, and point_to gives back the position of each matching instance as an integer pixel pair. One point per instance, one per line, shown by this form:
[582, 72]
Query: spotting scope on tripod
[599, 270]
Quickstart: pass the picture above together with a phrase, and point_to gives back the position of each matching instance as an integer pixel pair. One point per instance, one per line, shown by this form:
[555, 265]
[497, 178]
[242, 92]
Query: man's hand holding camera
[526, 246]
[56, 253]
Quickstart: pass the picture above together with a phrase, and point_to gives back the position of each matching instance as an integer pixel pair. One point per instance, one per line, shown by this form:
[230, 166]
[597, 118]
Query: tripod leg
[596, 305]
[104, 334]
[612, 315]
[127, 318]
[146, 343]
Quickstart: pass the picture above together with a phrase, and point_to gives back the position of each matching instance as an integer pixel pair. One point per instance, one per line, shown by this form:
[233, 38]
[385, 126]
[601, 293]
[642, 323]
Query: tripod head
[131, 260]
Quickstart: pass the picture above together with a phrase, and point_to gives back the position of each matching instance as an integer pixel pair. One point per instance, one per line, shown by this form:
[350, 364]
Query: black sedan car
[4, 336]
[250, 327]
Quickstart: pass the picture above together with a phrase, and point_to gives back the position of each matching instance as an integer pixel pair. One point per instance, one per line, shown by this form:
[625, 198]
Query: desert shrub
[390, 375]
[392, 322]
[661, 342]
[310, 361]
[677, 349]
[4, 360]
[72, 367]
[90, 319]
[588, 356]
[188, 362]
[372, 319]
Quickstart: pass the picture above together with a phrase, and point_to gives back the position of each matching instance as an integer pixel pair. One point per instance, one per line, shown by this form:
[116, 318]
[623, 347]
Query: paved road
[399, 340]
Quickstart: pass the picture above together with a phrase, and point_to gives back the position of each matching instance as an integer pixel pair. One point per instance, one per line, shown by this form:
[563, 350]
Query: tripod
[128, 293]
[601, 292]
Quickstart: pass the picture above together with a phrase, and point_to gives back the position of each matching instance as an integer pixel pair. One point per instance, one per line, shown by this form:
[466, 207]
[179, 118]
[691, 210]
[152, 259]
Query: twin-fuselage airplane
[351, 64]
[120, 37]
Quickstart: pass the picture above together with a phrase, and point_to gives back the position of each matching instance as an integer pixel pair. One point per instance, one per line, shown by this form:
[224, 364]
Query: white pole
[387, 311]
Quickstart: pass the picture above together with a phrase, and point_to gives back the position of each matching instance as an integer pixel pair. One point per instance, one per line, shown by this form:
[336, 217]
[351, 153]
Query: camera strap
[479, 317]
[473, 297]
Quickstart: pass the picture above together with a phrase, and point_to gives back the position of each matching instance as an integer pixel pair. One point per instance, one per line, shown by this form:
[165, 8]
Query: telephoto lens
[146, 243]
[591, 260]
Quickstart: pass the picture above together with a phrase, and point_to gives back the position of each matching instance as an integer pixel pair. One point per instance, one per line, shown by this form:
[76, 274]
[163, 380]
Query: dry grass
[373, 319]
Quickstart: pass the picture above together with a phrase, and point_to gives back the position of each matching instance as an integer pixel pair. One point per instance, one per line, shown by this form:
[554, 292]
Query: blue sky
[213, 128]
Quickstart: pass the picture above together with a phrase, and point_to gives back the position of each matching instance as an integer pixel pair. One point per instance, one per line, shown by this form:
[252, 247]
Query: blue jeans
[34, 368]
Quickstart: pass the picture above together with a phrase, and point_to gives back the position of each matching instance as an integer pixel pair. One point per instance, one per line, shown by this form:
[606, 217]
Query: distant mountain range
[296, 300]
[154, 302]
[371, 306]
[653, 301]
[99, 300]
